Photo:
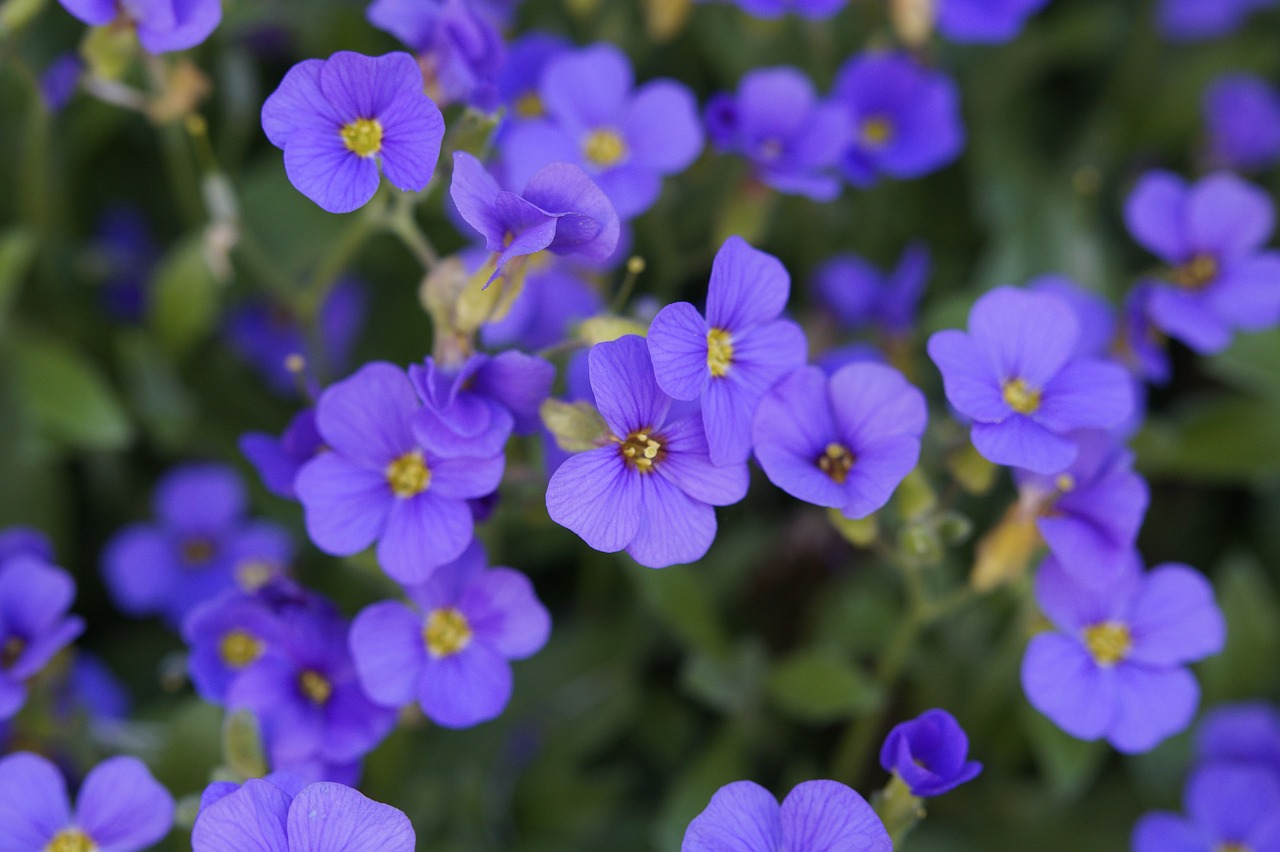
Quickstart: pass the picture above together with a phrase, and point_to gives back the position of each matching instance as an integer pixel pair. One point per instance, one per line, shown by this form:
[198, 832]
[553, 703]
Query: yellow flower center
[641, 451]
[836, 461]
[71, 840]
[11, 651]
[1232, 847]
[239, 648]
[719, 351]
[529, 105]
[877, 131]
[409, 475]
[771, 149]
[1108, 642]
[1021, 397]
[1197, 273]
[1065, 482]
[605, 147]
[363, 137]
[447, 632]
[315, 686]
[253, 574]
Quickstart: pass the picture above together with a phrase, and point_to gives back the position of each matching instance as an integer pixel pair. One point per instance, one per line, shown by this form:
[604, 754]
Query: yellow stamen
[1065, 482]
[363, 137]
[71, 840]
[529, 105]
[1108, 641]
[1021, 397]
[447, 632]
[239, 648]
[605, 147]
[836, 461]
[1197, 273]
[315, 686]
[1232, 847]
[877, 131]
[253, 574]
[409, 475]
[719, 351]
[641, 451]
[197, 551]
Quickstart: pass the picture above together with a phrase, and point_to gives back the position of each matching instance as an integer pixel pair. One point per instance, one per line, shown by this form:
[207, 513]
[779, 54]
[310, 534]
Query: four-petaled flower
[745, 817]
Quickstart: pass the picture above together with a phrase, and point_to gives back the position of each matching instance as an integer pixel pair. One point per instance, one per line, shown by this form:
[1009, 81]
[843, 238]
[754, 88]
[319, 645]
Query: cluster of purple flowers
[980, 21]
[161, 25]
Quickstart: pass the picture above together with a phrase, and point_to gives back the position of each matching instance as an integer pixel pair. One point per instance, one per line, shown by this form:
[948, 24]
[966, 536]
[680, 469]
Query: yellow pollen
[71, 840]
[877, 131]
[642, 451]
[1108, 641]
[253, 574]
[1065, 482]
[605, 147]
[409, 475]
[239, 648]
[11, 651]
[719, 351]
[836, 461]
[1021, 397]
[447, 632]
[1231, 847]
[363, 137]
[315, 686]
[197, 551]
[529, 105]
[1197, 273]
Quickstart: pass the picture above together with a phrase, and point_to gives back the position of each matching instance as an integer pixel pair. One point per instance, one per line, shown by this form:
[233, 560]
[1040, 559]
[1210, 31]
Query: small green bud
[860, 533]
[577, 426]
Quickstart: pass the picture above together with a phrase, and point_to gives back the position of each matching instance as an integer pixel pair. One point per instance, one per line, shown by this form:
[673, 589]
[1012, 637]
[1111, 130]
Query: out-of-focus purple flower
[120, 807]
[1243, 734]
[60, 81]
[1139, 345]
[278, 460]
[905, 118]
[776, 121]
[985, 21]
[729, 359]
[1212, 235]
[162, 25]
[651, 488]
[745, 817]
[379, 482]
[320, 818]
[860, 295]
[833, 359]
[803, 8]
[844, 442]
[127, 252]
[1242, 113]
[34, 624]
[227, 635]
[1228, 808]
[337, 119]
[25, 541]
[94, 690]
[1014, 375]
[1095, 317]
[560, 210]
[200, 545]
[551, 301]
[521, 74]
[450, 652]
[929, 754]
[625, 140]
[1192, 20]
[1116, 665]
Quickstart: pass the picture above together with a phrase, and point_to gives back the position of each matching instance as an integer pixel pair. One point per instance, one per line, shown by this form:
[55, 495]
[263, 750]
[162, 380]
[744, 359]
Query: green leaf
[1252, 364]
[17, 250]
[730, 684]
[66, 396]
[1070, 765]
[185, 306]
[681, 600]
[1227, 440]
[1246, 665]
[819, 687]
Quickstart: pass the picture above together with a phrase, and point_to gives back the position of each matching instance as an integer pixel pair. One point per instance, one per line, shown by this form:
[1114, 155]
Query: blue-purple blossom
[127, 252]
[929, 753]
[745, 817]
[552, 300]
[162, 25]
[846, 441]
[337, 119]
[1212, 235]
[860, 295]
[1247, 733]
[729, 359]
[1242, 116]
[1014, 375]
[905, 118]
[34, 623]
[451, 650]
[120, 807]
[321, 817]
[985, 21]
[1227, 808]
[1115, 666]
[278, 460]
[226, 636]
[792, 139]
[650, 487]
[1192, 20]
[60, 80]
[803, 8]
[521, 75]
[25, 541]
[1139, 345]
[1095, 317]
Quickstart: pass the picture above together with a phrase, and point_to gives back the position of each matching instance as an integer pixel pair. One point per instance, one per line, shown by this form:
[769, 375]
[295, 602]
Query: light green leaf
[185, 306]
[66, 396]
[819, 687]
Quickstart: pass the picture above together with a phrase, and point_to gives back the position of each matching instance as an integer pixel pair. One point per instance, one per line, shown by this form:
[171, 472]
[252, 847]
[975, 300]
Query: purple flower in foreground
[450, 652]
[731, 358]
[844, 442]
[120, 807]
[1228, 808]
[461, 49]
[320, 818]
[34, 624]
[1095, 317]
[25, 541]
[776, 121]
[1014, 375]
[337, 119]
[278, 460]
[162, 25]
[1242, 112]
[380, 482]
[986, 21]
[1116, 665]
[860, 295]
[803, 8]
[1212, 235]
[650, 489]
[560, 211]
[929, 754]
[1247, 733]
[745, 817]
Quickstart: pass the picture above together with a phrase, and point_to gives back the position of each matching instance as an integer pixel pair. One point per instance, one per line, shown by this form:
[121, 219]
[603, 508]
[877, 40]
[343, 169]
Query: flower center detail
[239, 648]
[1197, 273]
[877, 131]
[719, 351]
[1108, 642]
[447, 632]
[836, 461]
[409, 475]
[253, 574]
[71, 840]
[529, 105]
[605, 147]
[1232, 846]
[363, 137]
[198, 551]
[1021, 397]
[315, 686]
[642, 451]
[11, 651]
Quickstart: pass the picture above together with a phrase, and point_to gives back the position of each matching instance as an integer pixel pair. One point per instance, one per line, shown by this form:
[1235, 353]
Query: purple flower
[379, 482]
[521, 74]
[450, 652]
[650, 489]
[776, 121]
[124, 246]
[162, 25]
[92, 690]
[1242, 112]
[1246, 733]
[34, 624]
[860, 295]
[985, 21]
[321, 817]
[120, 807]
[929, 754]
[560, 210]
[60, 81]
[730, 359]
[227, 636]
[844, 442]
[1014, 375]
[201, 546]
[1191, 20]
[745, 817]
[550, 303]
[1095, 317]
[1140, 346]
[24, 541]
[905, 118]
[626, 140]
[336, 119]
[1116, 665]
[278, 460]
[1228, 808]
[803, 8]
[1212, 234]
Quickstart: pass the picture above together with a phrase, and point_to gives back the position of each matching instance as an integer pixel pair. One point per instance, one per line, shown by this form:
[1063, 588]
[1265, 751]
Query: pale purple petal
[674, 528]
[466, 478]
[140, 569]
[748, 287]
[369, 416]
[388, 650]
[346, 505]
[504, 613]
[1187, 317]
[1174, 618]
[1227, 216]
[200, 498]
[423, 532]
[971, 382]
[122, 807]
[298, 102]
[873, 402]
[328, 816]
[877, 471]
[1030, 335]
[1246, 294]
[33, 802]
[741, 817]
[411, 141]
[466, 688]
[1151, 704]
[252, 819]
[1234, 802]
[588, 88]
[1021, 442]
[1063, 682]
[827, 816]
[678, 346]
[322, 168]
[475, 195]
[1154, 215]
[627, 394]
[597, 496]
[661, 127]
[1163, 832]
[689, 469]
[1086, 394]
